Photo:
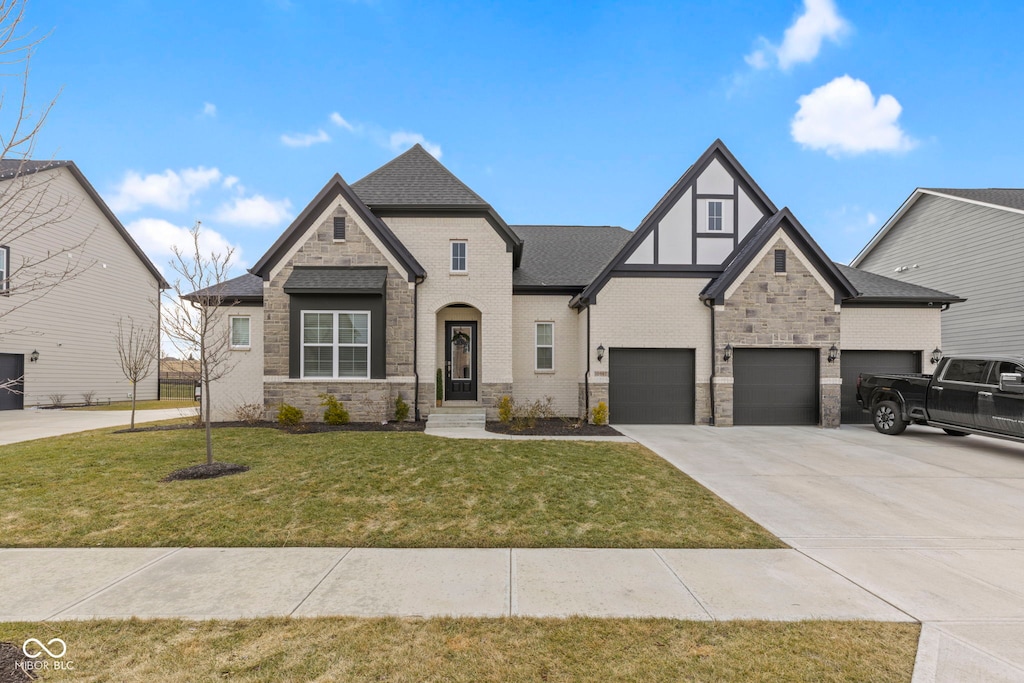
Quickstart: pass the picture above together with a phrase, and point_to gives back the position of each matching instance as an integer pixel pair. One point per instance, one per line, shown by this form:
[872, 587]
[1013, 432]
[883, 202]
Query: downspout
[415, 336]
[586, 375]
[159, 339]
[711, 381]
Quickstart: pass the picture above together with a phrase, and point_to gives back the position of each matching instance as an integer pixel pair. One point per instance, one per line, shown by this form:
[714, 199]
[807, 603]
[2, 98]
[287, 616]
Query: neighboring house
[719, 308]
[59, 341]
[967, 241]
[176, 369]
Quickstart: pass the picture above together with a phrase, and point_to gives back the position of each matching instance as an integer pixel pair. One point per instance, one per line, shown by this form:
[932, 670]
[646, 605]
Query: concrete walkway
[202, 583]
[35, 423]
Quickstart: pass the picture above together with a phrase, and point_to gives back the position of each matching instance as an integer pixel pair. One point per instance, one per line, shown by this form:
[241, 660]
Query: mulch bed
[304, 428]
[554, 427]
[204, 471]
[10, 658]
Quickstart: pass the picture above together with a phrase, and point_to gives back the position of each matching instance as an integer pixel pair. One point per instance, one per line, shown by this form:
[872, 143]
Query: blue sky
[576, 113]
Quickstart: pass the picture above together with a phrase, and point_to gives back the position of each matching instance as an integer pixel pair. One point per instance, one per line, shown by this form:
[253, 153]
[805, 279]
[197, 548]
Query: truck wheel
[954, 432]
[888, 418]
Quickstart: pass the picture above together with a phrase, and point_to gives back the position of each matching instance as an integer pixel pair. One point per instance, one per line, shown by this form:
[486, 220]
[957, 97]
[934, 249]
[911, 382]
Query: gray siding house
[966, 241]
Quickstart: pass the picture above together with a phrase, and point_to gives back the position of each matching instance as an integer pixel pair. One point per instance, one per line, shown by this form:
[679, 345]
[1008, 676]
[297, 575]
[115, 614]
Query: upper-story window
[5, 268]
[714, 216]
[240, 338]
[458, 257]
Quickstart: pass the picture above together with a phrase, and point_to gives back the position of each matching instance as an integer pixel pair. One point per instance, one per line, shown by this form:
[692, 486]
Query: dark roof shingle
[566, 256]
[871, 286]
[330, 280]
[10, 168]
[246, 287]
[415, 178]
[1008, 197]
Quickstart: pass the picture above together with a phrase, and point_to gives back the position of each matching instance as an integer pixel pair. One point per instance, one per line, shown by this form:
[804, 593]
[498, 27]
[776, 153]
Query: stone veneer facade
[773, 310]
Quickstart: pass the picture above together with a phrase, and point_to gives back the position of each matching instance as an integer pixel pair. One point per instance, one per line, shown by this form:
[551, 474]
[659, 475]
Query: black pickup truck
[966, 395]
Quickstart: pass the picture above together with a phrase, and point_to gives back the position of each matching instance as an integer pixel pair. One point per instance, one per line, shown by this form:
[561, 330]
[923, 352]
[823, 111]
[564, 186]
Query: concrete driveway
[26, 425]
[930, 523]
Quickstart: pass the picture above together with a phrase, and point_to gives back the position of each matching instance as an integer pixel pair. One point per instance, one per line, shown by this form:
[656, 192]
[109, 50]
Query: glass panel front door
[460, 361]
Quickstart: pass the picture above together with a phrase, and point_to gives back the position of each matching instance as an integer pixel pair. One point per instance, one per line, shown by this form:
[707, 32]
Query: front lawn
[471, 650]
[163, 404]
[356, 489]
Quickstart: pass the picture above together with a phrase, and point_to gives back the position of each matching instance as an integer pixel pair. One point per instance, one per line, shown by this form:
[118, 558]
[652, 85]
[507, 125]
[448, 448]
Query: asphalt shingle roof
[1008, 197]
[415, 178]
[873, 286]
[9, 168]
[336, 280]
[246, 286]
[565, 255]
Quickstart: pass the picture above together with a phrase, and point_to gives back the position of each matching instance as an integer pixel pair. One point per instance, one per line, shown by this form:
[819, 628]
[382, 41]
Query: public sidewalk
[228, 583]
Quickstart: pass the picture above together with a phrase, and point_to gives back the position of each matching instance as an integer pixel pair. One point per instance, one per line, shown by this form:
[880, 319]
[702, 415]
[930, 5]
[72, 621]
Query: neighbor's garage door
[650, 386]
[775, 386]
[11, 368]
[870, 362]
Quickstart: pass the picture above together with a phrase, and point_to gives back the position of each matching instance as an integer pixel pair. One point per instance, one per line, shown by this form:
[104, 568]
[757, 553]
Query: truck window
[1001, 367]
[965, 370]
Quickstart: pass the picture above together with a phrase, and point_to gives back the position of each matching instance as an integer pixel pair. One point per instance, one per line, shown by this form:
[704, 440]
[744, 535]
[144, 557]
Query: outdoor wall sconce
[833, 353]
[34, 356]
[728, 352]
[936, 355]
[600, 352]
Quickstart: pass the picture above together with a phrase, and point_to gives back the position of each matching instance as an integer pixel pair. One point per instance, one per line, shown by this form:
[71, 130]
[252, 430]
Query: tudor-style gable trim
[648, 225]
[785, 221]
[907, 204]
[336, 187]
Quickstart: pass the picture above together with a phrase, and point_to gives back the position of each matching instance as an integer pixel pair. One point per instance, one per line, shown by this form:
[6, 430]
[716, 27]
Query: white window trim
[451, 257]
[536, 345]
[721, 215]
[231, 332]
[5, 269]
[335, 345]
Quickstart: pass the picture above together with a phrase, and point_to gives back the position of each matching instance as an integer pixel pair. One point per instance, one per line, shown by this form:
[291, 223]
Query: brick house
[718, 308]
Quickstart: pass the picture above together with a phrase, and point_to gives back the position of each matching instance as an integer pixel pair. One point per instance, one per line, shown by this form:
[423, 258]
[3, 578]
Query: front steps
[457, 417]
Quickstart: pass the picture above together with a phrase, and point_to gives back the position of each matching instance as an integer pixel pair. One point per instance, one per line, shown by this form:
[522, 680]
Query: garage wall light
[600, 352]
[728, 352]
[833, 353]
[34, 356]
[936, 355]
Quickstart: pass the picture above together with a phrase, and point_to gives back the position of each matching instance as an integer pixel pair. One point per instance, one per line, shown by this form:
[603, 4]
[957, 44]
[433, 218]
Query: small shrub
[289, 415]
[439, 386]
[89, 397]
[252, 413]
[600, 413]
[334, 413]
[56, 400]
[505, 407]
[401, 409]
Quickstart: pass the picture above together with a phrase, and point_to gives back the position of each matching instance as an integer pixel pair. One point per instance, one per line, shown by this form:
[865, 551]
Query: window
[965, 370]
[780, 260]
[339, 228]
[714, 216]
[336, 344]
[5, 268]
[545, 346]
[239, 332]
[458, 257]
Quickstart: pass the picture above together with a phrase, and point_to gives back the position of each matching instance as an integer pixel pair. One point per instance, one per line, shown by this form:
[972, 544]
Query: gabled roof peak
[415, 178]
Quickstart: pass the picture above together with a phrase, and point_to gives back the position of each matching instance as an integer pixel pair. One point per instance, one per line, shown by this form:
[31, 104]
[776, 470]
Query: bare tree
[136, 349]
[196, 316]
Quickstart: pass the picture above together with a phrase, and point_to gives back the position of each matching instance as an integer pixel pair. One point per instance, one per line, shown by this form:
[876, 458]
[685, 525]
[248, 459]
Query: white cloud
[339, 121]
[156, 237]
[843, 117]
[209, 109]
[402, 140]
[871, 219]
[168, 190]
[255, 211]
[232, 182]
[802, 40]
[305, 139]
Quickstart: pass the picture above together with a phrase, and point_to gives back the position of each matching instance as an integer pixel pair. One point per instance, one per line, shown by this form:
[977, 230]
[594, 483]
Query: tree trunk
[209, 432]
[133, 405]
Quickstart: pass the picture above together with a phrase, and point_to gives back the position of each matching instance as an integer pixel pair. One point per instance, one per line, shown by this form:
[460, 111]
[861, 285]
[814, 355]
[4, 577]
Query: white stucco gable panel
[715, 179]
[675, 232]
[713, 250]
[780, 241]
[644, 253]
[749, 214]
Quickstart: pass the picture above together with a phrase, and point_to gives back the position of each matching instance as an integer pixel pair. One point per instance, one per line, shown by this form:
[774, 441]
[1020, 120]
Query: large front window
[336, 344]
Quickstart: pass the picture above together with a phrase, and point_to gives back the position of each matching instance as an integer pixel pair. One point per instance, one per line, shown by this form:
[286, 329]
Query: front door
[460, 361]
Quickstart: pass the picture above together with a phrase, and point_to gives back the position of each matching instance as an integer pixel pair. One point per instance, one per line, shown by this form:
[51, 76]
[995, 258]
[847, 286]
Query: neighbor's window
[458, 257]
[239, 332]
[545, 346]
[714, 216]
[336, 344]
[5, 269]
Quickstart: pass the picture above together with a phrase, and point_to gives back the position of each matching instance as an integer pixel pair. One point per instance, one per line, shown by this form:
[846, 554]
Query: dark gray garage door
[775, 386]
[650, 386]
[11, 368]
[875, 362]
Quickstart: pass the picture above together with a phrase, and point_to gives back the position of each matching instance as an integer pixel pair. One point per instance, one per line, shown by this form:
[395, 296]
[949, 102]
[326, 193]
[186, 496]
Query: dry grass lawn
[477, 650]
[163, 404]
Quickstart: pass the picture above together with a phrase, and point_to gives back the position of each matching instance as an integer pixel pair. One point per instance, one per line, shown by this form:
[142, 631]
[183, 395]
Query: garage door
[11, 368]
[650, 386]
[875, 362]
[775, 386]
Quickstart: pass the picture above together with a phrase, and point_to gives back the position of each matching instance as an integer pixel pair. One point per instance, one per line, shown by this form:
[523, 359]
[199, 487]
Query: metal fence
[178, 389]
